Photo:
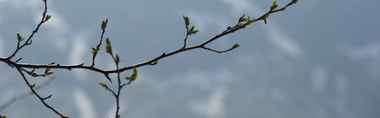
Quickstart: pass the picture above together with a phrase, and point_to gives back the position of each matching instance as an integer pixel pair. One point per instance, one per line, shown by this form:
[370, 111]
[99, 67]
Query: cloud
[78, 50]
[217, 83]
[341, 101]
[278, 38]
[341, 85]
[2, 48]
[202, 80]
[213, 106]
[367, 54]
[241, 6]
[57, 22]
[282, 41]
[22, 4]
[198, 93]
[204, 20]
[278, 95]
[6, 92]
[319, 78]
[57, 29]
[369, 51]
[310, 4]
[77, 54]
[84, 104]
[111, 112]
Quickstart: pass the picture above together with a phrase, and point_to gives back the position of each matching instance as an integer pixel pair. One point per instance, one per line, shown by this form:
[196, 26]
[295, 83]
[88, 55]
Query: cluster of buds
[191, 29]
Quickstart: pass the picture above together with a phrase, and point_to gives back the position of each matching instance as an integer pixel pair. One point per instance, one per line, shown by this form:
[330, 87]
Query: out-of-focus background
[318, 59]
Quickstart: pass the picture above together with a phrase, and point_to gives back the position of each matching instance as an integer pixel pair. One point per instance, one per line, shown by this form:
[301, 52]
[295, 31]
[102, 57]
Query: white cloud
[341, 85]
[204, 20]
[201, 80]
[278, 38]
[282, 41]
[7, 92]
[369, 51]
[341, 101]
[57, 23]
[278, 95]
[213, 107]
[111, 112]
[216, 82]
[77, 54]
[84, 104]
[309, 4]
[2, 48]
[319, 78]
[368, 54]
[77, 51]
[241, 6]
[22, 4]
[57, 28]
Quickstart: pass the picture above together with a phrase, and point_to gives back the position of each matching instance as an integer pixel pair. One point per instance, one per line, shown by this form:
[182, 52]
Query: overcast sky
[318, 59]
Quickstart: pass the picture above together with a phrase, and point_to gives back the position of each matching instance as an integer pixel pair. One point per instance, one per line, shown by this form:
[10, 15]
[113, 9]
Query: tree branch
[226, 32]
[28, 41]
[23, 68]
[40, 98]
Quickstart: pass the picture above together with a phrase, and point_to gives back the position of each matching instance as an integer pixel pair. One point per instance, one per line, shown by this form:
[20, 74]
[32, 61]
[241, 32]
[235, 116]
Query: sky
[318, 59]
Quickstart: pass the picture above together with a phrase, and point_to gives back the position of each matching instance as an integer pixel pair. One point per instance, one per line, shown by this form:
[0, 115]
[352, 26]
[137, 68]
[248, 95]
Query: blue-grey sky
[318, 59]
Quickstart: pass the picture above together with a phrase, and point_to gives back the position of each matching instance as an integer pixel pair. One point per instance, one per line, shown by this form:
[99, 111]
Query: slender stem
[40, 98]
[117, 97]
[28, 41]
[98, 46]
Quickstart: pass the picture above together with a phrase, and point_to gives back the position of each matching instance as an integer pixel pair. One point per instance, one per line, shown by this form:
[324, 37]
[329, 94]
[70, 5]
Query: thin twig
[20, 45]
[28, 41]
[99, 44]
[117, 97]
[219, 51]
[40, 98]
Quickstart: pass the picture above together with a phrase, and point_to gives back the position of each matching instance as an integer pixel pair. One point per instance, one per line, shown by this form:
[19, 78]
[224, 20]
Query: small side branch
[28, 41]
[35, 93]
[221, 51]
[95, 50]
